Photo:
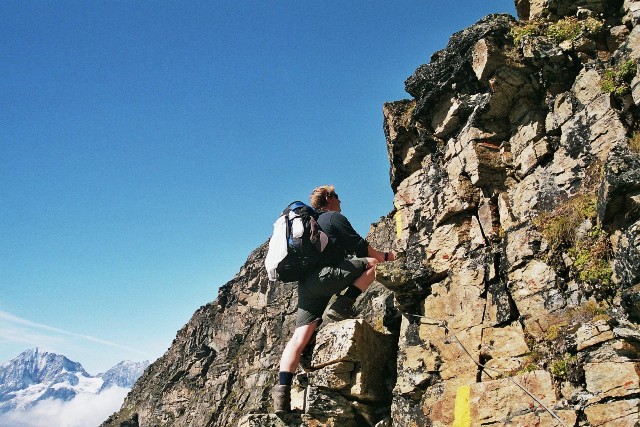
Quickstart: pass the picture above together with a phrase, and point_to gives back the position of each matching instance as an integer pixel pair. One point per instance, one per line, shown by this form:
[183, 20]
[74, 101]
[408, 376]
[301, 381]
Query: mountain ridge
[36, 375]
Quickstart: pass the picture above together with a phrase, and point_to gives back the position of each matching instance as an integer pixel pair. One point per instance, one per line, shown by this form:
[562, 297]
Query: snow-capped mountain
[36, 375]
[124, 374]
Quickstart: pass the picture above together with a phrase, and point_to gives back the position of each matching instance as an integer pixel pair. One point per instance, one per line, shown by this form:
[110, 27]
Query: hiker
[337, 272]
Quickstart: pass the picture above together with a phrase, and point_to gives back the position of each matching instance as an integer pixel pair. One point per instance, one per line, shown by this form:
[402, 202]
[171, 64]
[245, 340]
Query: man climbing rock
[339, 271]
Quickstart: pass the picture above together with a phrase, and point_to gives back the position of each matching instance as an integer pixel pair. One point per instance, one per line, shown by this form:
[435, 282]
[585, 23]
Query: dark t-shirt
[343, 239]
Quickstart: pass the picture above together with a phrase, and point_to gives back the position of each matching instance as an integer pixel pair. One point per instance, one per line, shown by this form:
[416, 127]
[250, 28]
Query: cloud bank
[86, 409]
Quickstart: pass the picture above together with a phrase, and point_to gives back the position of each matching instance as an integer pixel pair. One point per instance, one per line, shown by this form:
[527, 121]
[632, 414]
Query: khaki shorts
[317, 288]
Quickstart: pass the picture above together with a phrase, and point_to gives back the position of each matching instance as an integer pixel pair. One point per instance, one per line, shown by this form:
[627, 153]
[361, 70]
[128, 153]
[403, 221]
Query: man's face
[333, 203]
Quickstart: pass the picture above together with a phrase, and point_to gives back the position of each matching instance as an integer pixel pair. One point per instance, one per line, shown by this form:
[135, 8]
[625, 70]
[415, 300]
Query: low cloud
[86, 409]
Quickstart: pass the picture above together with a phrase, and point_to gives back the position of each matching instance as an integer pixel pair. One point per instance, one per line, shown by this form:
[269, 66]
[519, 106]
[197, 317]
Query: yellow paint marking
[462, 411]
[398, 217]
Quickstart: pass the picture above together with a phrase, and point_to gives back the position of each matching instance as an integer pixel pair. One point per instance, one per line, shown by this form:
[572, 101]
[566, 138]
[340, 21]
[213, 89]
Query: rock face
[514, 300]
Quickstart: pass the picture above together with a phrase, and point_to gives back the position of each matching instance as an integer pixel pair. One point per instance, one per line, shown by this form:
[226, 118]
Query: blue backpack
[296, 243]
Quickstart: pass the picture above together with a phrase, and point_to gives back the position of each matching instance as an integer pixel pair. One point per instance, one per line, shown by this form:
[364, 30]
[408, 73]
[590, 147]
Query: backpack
[296, 243]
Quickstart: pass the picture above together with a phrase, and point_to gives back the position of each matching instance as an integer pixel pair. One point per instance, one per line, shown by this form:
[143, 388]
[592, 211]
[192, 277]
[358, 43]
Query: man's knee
[372, 262]
[365, 279]
[370, 273]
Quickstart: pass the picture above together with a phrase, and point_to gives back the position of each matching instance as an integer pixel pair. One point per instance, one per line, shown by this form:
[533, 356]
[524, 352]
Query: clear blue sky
[146, 148]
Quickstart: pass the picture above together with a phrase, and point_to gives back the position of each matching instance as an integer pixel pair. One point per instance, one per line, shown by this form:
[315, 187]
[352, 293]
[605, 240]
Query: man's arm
[347, 236]
[353, 242]
[380, 256]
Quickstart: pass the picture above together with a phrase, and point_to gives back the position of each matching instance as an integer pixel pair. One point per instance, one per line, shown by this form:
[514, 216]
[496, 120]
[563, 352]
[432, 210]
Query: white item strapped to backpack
[277, 247]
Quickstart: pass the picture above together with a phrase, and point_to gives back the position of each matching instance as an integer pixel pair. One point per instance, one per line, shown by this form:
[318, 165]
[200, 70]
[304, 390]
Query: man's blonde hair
[319, 196]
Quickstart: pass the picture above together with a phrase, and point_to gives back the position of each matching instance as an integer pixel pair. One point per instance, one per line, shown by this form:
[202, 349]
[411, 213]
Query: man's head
[325, 197]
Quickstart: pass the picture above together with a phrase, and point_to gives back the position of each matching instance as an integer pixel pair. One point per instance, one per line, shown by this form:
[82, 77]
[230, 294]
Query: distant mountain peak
[36, 374]
[124, 374]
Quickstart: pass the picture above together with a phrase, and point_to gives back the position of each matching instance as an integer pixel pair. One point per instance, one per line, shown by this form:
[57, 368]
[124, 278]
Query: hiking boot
[341, 309]
[281, 395]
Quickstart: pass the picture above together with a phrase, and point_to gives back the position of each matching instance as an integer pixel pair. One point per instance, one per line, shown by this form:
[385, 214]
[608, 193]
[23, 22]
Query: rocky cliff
[516, 172]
